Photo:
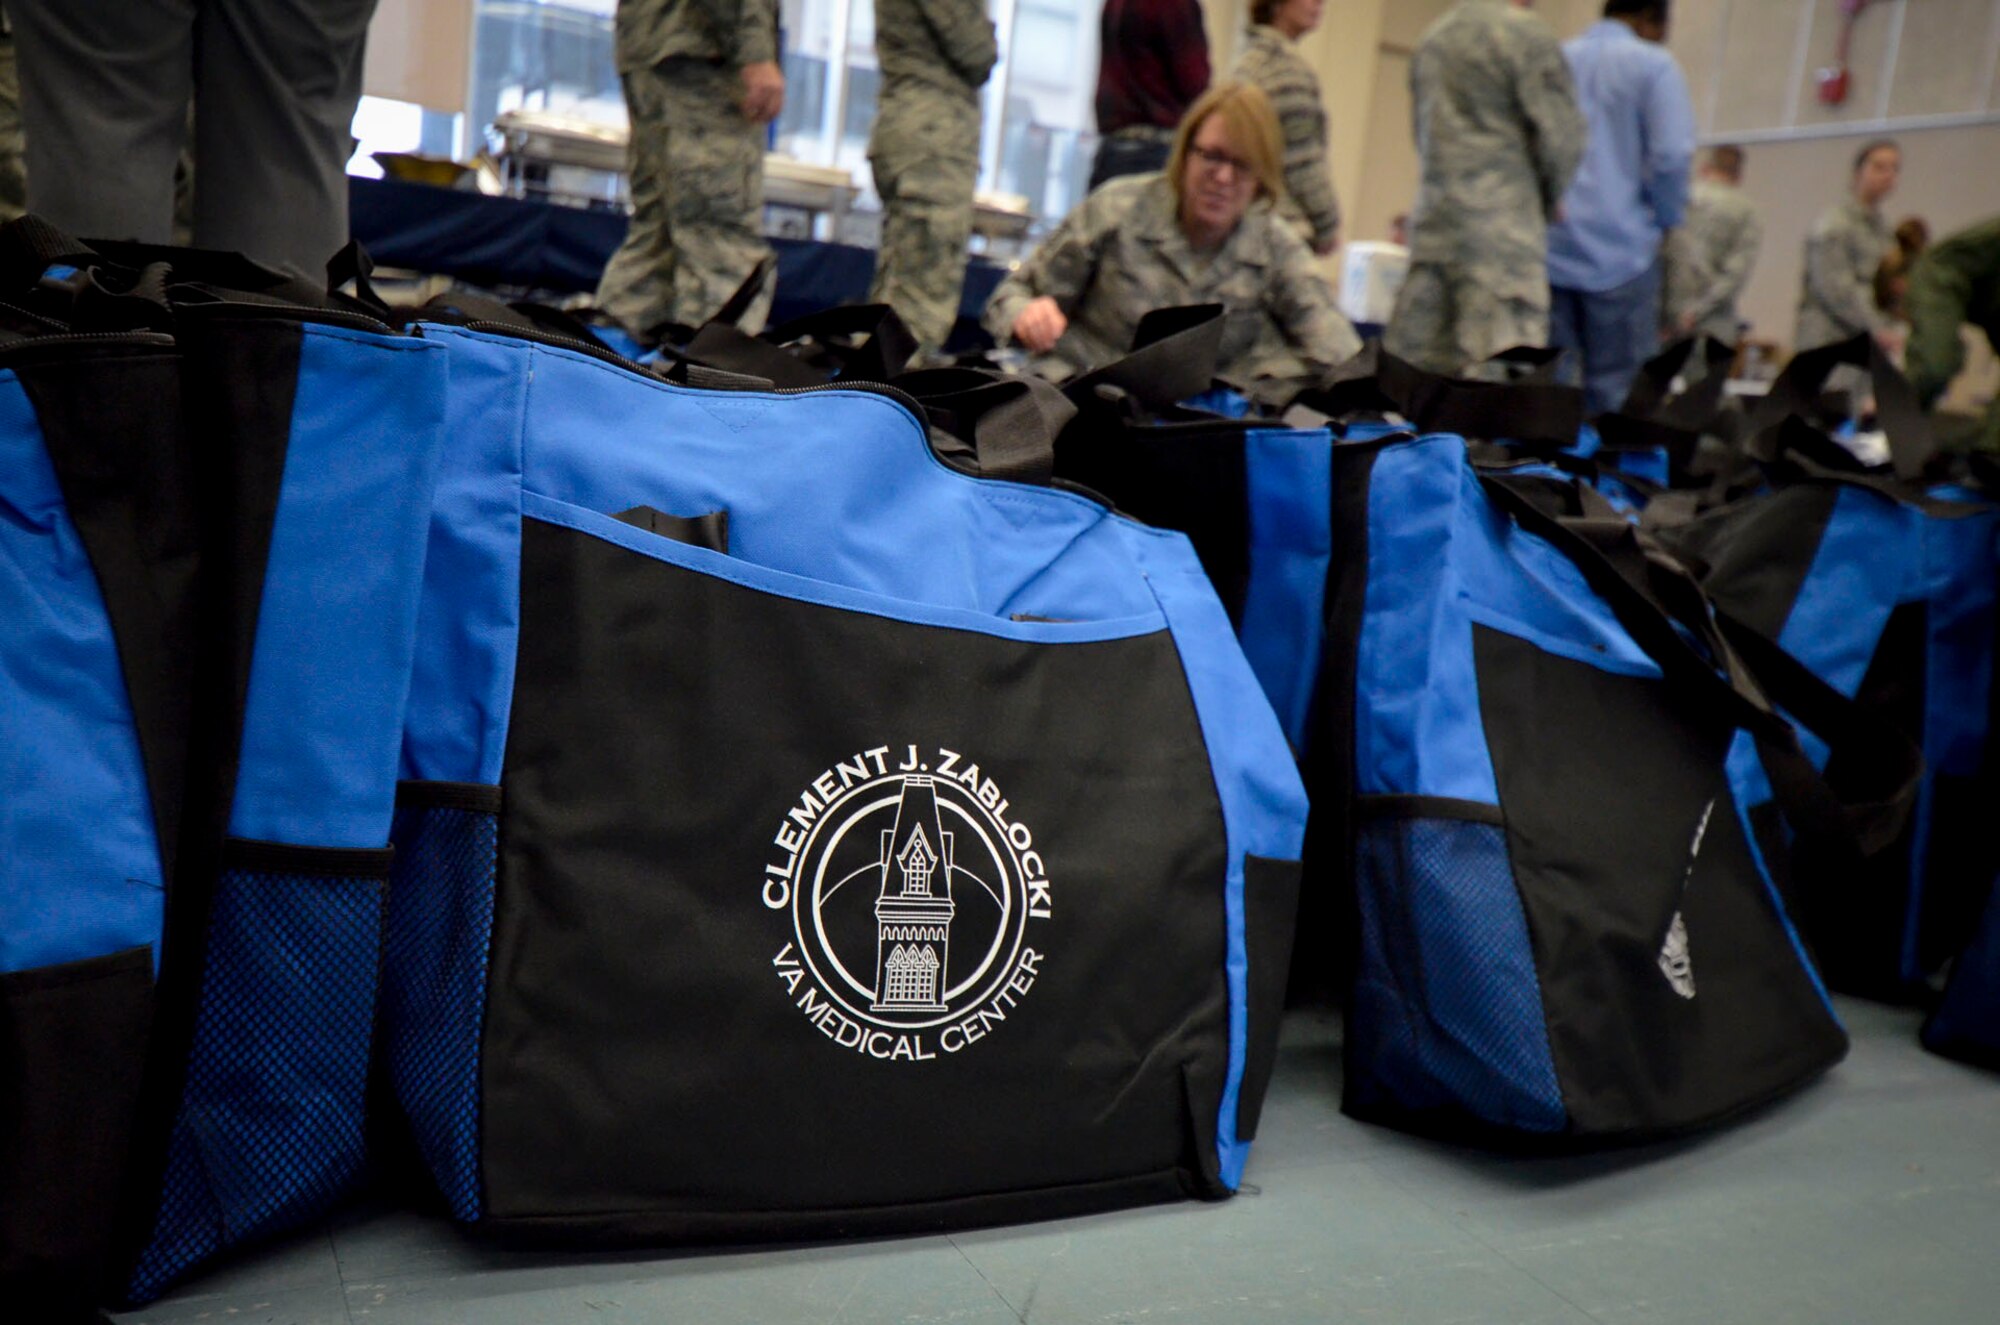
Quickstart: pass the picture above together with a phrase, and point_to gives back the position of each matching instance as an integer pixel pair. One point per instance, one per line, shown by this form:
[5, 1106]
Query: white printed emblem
[911, 892]
[1674, 960]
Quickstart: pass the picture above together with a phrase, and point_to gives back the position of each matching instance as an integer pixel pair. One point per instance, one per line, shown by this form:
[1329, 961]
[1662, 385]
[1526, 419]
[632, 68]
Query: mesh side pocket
[269, 1131]
[1447, 1012]
[439, 926]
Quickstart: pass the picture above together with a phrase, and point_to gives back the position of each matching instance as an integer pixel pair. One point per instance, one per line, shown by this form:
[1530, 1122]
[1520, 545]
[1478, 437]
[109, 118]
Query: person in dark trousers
[105, 88]
[1152, 63]
[1632, 188]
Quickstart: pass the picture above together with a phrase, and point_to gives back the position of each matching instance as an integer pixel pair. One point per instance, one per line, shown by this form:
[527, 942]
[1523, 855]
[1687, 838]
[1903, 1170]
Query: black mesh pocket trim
[438, 931]
[247, 856]
[472, 797]
[268, 1130]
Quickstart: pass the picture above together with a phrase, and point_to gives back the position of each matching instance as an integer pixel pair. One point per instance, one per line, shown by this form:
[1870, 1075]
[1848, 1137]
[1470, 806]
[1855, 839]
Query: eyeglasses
[1214, 161]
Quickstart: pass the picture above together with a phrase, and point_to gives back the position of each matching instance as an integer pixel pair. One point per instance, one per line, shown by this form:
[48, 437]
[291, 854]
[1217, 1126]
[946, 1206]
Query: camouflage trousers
[925, 154]
[697, 176]
[1446, 318]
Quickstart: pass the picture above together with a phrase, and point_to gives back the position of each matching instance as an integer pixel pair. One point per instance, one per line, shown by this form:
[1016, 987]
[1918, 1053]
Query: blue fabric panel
[1371, 431]
[1967, 1020]
[1416, 715]
[79, 859]
[1291, 544]
[787, 585]
[1959, 568]
[1958, 572]
[1440, 556]
[1446, 999]
[438, 927]
[1868, 561]
[607, 439]
[1263, 799]
[1588, 442]
[1750, 787]
[323, 725]
[468, 621]
[1650, 464]
[1221, 400]
[269, 1130]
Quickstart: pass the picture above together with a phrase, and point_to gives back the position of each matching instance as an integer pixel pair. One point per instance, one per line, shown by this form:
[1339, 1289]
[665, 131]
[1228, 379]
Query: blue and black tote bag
[1554, 775]
[801, 836]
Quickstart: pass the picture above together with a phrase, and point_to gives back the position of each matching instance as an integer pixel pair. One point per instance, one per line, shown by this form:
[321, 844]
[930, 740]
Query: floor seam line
[1012, 1310]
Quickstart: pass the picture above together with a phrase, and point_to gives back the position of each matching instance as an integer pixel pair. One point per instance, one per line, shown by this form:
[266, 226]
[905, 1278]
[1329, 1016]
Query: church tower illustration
[914, 910]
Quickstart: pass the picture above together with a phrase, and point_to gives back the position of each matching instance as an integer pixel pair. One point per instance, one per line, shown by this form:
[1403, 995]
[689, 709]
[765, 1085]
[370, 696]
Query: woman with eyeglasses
[1201, 232]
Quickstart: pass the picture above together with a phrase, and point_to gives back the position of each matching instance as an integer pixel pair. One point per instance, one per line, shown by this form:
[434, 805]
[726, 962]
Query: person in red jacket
[1152, 64]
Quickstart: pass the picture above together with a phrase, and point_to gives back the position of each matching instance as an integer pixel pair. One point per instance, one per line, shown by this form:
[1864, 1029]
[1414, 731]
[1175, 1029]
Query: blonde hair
[1253, 132]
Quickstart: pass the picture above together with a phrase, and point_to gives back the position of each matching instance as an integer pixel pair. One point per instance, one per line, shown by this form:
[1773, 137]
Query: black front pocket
[72, 1051]
[1676, 989]
[804, 908]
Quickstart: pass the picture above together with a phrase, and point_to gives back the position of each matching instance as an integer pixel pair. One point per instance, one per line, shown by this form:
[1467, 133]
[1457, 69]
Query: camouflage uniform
[1709, 259]
[13, 174]
[1499, 135]
[1843, 252]
[924, 149]
[1956, 281]
[1273, 63]
[697, 165]
[1122, 254]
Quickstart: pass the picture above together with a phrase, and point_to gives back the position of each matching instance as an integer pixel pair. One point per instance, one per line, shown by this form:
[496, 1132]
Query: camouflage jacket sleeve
[756, 27]
[1062, 268]
[1942, 295]
[1301, 303]
[966, 37]
[1837, 281]
[1547, 94]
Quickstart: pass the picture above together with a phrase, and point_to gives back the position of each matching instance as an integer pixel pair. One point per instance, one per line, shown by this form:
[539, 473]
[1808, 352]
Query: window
[1037, 140]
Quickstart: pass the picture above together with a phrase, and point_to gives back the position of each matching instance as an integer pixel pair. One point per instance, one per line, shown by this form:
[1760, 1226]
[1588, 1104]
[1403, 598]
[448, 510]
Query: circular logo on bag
[913, 894]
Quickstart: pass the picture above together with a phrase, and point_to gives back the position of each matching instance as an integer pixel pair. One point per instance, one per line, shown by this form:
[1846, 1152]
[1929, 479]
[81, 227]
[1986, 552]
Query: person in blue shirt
[1632, 188]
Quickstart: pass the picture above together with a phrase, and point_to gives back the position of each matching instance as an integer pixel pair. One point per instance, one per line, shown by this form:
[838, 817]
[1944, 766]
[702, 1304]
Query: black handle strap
[739, 301]
[1746, 678]
[1011, 422]
[725, 346]
[1528, 410]
[866, 342]
[1174, 355]
[352, 265]
[1911, 443]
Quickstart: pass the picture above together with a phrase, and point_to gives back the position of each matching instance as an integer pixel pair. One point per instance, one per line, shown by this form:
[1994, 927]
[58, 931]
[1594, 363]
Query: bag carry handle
[1746, 677]
[725, 346]
[883, 345]
[1174, 355]
[1652, 396]
[1911, 443]
[1011, 422]
[1528, 410]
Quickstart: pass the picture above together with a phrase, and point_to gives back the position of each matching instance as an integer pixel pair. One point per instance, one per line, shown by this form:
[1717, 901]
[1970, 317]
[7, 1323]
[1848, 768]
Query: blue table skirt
[523, 243]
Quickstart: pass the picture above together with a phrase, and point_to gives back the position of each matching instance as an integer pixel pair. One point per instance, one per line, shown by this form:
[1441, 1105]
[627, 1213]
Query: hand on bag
[763, 91]
[1040, 325]
[1892, 339]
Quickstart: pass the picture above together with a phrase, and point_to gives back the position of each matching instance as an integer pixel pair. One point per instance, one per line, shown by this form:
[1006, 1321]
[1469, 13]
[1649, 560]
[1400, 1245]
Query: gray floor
[1872, 1197]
